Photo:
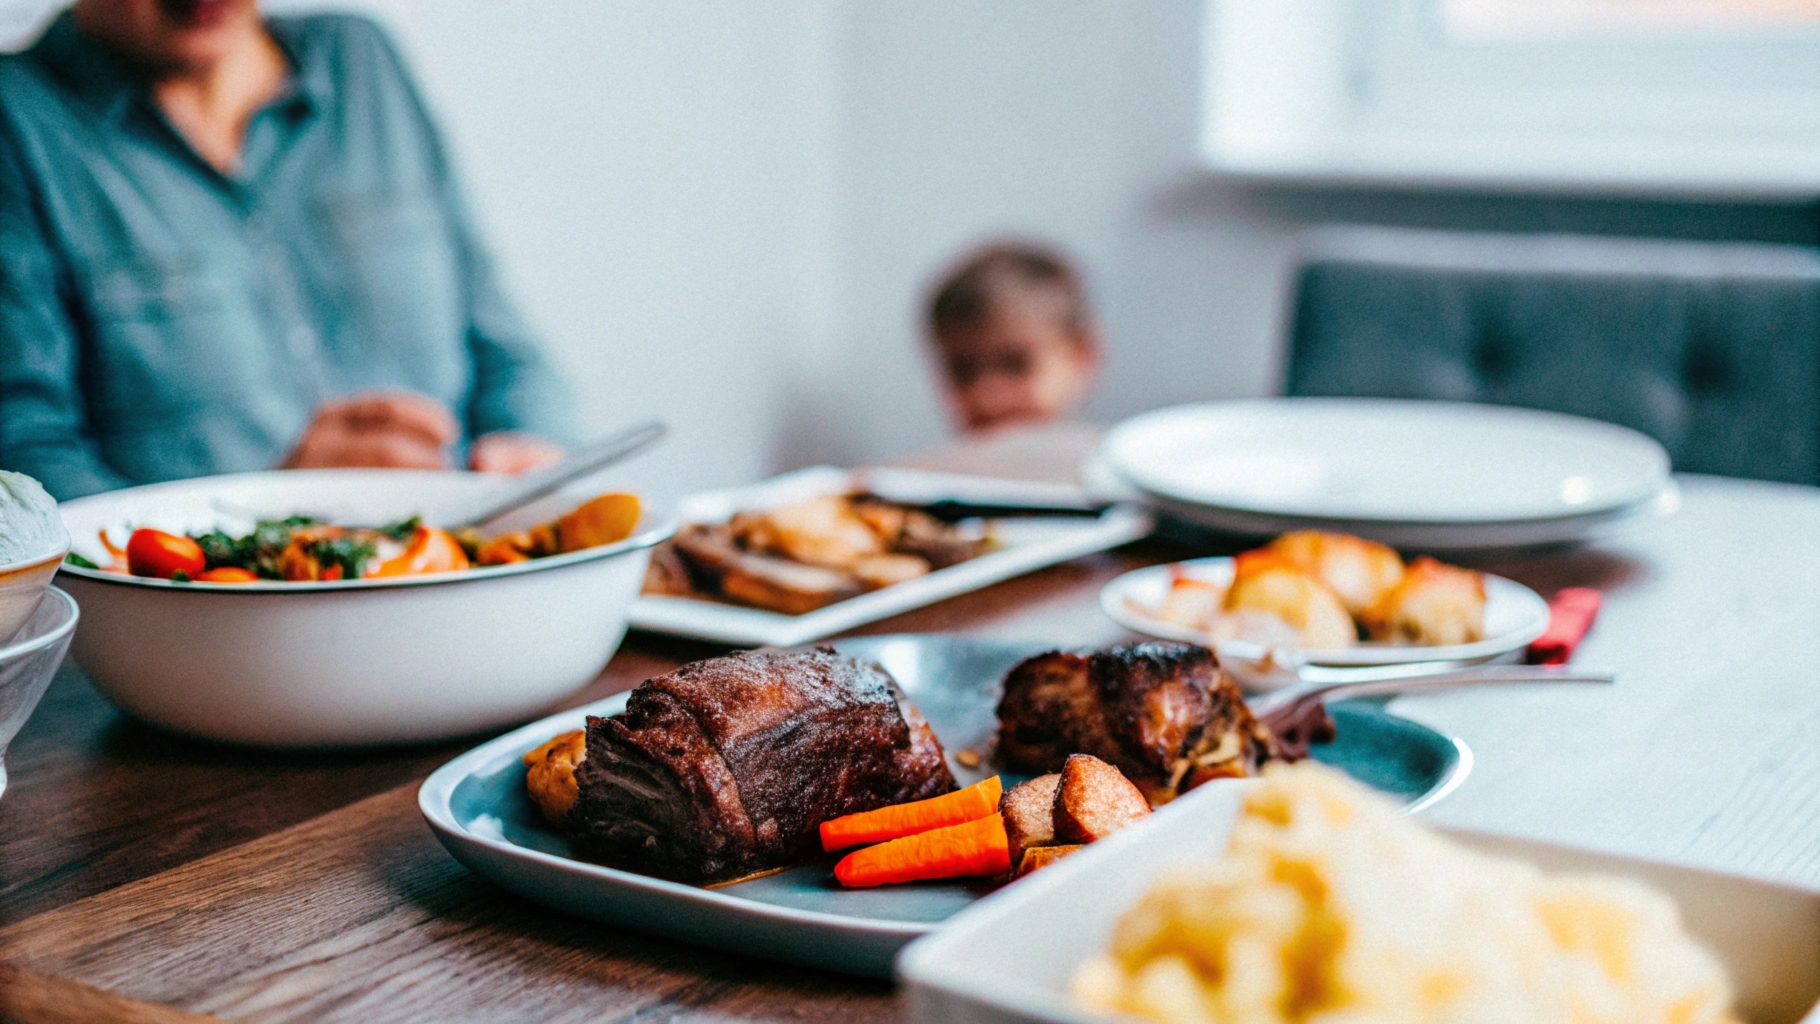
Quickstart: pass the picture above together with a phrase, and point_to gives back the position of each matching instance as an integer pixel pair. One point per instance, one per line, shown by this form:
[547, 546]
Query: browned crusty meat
[725, 767]
[668, 574]
[719, 565]
[1162, 713]
[804, 555]
[913, 531]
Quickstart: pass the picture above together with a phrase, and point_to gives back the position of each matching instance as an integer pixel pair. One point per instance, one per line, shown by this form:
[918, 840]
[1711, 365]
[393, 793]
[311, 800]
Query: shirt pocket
[401, 288]
[165, 340]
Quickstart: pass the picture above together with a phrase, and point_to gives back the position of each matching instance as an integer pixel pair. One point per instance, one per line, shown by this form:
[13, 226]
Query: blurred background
[729, 214]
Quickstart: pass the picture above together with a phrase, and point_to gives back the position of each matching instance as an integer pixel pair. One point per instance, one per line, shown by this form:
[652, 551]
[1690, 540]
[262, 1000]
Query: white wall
[654, 180]
[1073, 121]
[726, 213]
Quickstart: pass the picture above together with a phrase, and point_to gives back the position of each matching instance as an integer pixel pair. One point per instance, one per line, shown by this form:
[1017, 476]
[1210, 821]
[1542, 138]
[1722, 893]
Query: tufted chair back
[1712, 349]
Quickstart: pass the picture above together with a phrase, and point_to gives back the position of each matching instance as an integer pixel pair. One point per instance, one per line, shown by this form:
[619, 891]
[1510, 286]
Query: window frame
[1377, 92]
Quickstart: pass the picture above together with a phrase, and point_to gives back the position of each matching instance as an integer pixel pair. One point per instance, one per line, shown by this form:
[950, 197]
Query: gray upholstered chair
[1712, 349]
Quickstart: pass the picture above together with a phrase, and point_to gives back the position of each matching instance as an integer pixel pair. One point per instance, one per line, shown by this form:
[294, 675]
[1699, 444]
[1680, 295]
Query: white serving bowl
[347, 663]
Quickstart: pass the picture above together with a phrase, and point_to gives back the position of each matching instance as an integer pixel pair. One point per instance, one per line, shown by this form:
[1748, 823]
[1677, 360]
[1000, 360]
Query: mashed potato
[30, 527]
[1333, 908]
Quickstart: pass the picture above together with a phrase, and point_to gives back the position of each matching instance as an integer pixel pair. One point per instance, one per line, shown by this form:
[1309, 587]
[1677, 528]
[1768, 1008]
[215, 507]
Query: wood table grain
[149, 878]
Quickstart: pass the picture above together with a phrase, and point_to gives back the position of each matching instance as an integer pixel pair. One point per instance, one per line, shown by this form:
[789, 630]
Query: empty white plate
[1514, 616]
[1445, 474]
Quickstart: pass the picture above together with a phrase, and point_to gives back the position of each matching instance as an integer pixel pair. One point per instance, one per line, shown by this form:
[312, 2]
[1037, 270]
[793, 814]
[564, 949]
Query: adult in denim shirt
[229, 243]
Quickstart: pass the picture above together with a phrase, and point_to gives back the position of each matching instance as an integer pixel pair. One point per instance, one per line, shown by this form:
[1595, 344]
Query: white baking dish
[1009, 957]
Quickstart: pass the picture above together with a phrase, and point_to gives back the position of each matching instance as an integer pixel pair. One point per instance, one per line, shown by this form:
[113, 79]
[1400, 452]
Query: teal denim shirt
[159, 319]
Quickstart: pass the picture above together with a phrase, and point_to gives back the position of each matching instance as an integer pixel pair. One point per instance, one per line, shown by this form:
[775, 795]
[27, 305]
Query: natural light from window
[1494, 20]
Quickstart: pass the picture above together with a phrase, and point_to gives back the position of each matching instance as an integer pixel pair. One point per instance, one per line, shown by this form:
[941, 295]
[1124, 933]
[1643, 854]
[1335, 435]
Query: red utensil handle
[1570, 616]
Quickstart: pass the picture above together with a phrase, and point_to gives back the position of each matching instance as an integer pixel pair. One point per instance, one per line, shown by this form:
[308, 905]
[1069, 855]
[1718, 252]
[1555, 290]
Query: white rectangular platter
[1008, 957]
[1028, 544]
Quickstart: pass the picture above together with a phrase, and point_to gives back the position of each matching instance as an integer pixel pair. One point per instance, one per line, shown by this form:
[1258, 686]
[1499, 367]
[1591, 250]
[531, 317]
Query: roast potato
[1264, 581]
[1093, 800]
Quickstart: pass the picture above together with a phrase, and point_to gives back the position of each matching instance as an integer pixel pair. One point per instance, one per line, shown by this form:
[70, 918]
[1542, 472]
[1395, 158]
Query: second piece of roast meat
[1163, 713]
[726, 767]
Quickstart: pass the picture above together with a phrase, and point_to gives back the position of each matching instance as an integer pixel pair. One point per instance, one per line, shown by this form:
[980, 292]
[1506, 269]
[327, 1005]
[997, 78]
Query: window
[1492, 20]
[1645, 96]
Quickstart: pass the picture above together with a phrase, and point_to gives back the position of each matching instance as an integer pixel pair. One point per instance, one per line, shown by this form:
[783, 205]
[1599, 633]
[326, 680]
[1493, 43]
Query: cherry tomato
[226, 574]
[163, 555]
[429, 551]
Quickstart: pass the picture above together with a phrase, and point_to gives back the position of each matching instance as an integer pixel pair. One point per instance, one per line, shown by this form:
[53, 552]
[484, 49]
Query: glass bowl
[29, 660]
[21, 584]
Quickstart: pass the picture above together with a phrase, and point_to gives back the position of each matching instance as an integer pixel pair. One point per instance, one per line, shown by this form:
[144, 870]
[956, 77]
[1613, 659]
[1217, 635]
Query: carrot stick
[974, 849]
[898, 820]
[118, 554]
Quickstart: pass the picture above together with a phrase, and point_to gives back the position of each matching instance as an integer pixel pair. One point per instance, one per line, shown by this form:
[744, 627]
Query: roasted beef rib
[724, 768]
[1162, 713]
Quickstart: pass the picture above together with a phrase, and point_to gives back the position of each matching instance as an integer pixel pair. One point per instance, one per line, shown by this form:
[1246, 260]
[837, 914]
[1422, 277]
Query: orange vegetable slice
[430, 550]
[962, 805]
[504, 550]
[607, 519]
[227, 574]
[115, 550]
[975, 849]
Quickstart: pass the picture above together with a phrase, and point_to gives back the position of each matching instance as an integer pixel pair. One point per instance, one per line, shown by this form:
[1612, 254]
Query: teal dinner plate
[477, 806]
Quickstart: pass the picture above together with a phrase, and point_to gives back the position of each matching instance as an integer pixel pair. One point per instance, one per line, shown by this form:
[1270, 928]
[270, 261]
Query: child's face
[1020, 366]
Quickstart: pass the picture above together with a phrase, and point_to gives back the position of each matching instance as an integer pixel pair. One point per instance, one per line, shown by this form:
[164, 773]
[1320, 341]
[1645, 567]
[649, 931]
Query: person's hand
[389, 429]
[507, 451]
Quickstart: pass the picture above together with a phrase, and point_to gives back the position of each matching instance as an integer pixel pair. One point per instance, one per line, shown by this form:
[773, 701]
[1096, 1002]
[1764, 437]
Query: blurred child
[1012, 327]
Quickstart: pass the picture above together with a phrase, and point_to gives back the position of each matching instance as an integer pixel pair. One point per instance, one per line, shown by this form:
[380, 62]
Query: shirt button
[302, 342]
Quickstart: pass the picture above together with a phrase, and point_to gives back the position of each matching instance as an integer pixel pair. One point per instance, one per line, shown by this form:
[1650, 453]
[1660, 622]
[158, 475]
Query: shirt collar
[86, 69]
[112, 88]
[311, 78]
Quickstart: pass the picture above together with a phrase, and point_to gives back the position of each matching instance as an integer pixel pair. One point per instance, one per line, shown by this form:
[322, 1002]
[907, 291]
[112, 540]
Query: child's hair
[970, 291]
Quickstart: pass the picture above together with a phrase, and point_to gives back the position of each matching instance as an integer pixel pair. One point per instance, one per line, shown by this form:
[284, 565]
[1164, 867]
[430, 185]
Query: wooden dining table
[146, 877]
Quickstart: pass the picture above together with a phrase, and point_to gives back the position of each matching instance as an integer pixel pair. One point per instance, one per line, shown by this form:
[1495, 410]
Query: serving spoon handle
[534, 485]
[1287, 703]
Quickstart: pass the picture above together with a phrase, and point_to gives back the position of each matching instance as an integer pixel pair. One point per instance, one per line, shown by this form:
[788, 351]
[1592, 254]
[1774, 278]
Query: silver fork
[1320, 684]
